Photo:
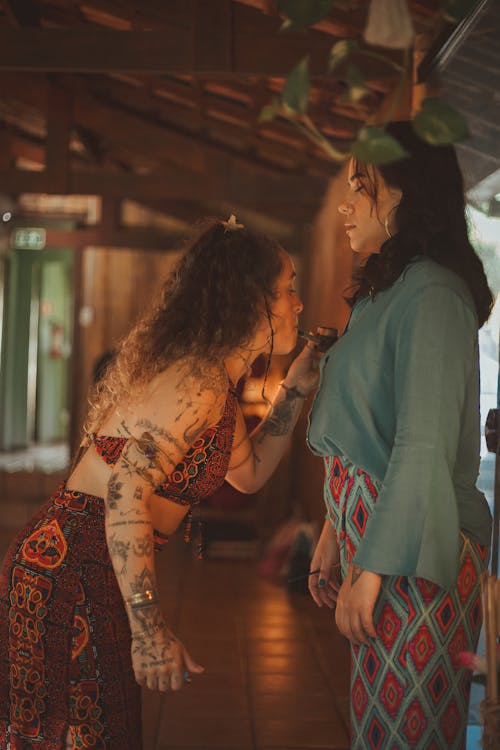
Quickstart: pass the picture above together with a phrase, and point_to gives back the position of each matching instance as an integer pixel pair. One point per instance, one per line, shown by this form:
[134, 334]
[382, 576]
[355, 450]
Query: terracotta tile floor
[275, 669]
[276, 672]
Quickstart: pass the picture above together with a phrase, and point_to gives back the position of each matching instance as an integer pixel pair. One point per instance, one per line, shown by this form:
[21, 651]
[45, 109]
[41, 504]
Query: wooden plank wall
[116, 285]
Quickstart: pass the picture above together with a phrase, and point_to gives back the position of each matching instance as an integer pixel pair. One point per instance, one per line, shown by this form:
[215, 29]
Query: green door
[36, 348]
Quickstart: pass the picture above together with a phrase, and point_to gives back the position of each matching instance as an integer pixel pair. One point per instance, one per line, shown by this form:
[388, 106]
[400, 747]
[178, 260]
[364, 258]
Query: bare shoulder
[202, 380]
[181, 402]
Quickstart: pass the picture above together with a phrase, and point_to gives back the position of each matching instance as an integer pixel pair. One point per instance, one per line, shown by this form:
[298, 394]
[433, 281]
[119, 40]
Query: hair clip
[231, 225]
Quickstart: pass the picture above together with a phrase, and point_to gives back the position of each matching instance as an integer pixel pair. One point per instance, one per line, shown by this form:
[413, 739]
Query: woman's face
[365, 218]
[285, 309]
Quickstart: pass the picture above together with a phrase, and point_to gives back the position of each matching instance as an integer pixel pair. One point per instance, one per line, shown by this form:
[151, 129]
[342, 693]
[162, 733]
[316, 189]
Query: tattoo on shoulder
[195, 380]
[209, 378]
[123, 429]
[194, 430]
[155, 429]
[356, 573]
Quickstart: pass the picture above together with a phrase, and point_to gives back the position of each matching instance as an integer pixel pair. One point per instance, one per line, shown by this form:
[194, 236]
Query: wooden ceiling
[167, 114]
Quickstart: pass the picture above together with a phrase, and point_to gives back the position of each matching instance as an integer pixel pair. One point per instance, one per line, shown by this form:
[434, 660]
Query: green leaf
[270, 111]
[303, 13]
[340, 51]
[295, 94]
[357, 87]
[374, 146]
[438, 123]
[456, 10]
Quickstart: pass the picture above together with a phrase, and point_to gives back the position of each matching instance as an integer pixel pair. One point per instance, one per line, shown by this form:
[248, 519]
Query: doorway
[36, 349]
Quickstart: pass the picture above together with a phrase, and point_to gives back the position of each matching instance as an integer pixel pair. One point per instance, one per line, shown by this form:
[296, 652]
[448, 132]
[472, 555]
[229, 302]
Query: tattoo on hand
[356, 573]
[149, 619]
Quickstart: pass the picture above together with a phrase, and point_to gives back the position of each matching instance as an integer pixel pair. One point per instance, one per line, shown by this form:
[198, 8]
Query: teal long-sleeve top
[399, 397]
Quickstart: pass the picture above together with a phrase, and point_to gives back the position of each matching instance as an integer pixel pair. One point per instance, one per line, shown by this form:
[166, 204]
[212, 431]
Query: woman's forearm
[129, 535]
[268, 442]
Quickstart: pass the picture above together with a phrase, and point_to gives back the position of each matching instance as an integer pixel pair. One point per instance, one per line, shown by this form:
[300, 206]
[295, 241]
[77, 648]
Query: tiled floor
[276, 671]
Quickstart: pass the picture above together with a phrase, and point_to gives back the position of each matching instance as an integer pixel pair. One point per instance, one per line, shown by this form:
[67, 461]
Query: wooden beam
[22, 12]
[59, 121]
[15, 145]
[111, 214]
[213, 21]
[157, 52]
[288, 197]
[142, 238]
[142, 134]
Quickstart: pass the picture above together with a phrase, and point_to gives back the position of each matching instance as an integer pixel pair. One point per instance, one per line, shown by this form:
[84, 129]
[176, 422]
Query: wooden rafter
[142, 238]
[22, 12]
[156, 52]
[282, 198]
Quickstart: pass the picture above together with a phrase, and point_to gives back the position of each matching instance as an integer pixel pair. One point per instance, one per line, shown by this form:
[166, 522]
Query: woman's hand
[160, 660]
[303, 372]
[324, 586]
[355, 604]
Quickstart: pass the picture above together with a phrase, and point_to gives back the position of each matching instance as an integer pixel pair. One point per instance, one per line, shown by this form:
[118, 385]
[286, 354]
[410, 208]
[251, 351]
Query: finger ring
[186, 676]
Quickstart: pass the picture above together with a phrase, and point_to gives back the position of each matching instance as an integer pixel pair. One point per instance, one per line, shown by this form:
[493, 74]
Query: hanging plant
[437, 122]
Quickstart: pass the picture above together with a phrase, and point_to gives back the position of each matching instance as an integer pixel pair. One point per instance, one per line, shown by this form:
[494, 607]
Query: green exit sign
[28, 238]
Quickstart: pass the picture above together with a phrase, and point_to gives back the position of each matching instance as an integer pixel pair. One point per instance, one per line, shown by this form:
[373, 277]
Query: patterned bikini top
[203, 468]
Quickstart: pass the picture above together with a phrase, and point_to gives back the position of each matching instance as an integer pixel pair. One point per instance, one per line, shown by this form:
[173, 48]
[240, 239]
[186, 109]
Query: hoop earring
[386, 222]
[268, 363]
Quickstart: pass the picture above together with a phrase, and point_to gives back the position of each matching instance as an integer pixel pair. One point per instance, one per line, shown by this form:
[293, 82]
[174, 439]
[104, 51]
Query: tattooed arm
[254, 457]
[178, 408]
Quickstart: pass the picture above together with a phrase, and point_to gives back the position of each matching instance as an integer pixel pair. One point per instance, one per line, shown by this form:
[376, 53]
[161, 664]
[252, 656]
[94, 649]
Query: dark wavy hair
[210, 304]
[430, 219]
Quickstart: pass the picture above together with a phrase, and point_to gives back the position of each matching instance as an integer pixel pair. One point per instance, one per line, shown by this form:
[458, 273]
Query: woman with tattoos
[81, 627]
[396, 419]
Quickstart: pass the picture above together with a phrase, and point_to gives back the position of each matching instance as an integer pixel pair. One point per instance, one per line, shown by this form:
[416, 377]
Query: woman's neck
[238, 365]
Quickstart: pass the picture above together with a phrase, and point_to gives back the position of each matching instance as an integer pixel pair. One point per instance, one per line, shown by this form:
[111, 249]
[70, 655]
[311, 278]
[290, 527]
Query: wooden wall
[113, 287]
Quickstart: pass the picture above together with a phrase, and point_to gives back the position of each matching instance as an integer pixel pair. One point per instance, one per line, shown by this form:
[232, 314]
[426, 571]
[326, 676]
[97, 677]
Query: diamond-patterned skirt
[407, 688]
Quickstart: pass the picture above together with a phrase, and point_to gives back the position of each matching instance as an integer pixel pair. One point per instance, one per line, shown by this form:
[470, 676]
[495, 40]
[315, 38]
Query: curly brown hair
[209, 305]
[430, 219]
